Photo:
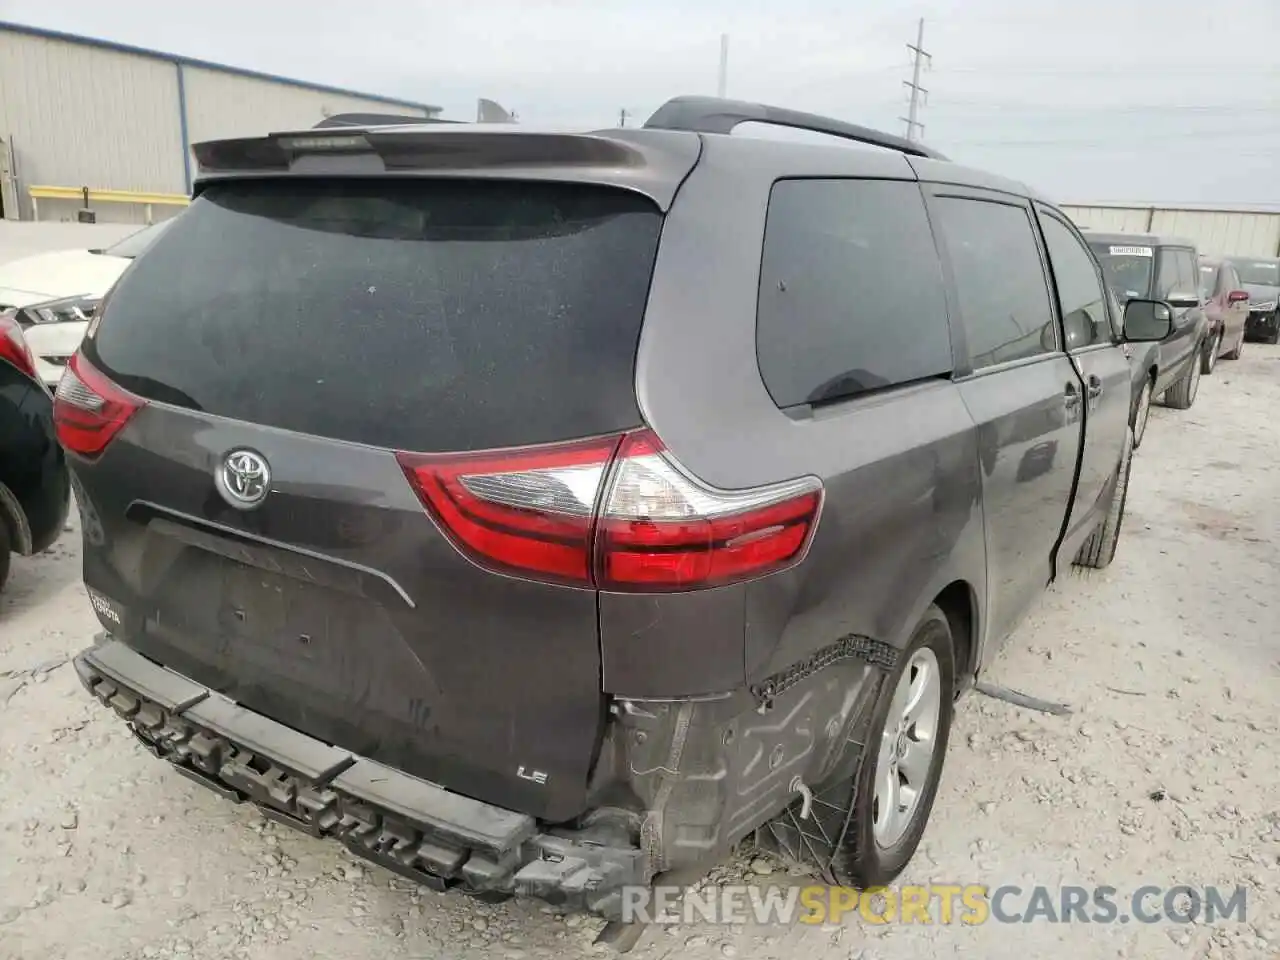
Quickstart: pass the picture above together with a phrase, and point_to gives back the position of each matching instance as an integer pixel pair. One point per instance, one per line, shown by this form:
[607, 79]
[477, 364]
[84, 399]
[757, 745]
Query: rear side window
[1080, 289]
[1000, 280]
[410, 314]
[851, 294]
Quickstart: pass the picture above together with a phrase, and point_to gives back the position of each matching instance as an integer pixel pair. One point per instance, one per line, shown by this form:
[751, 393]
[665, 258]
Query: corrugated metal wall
[1246, 233]
[230, 105]
[82, 116]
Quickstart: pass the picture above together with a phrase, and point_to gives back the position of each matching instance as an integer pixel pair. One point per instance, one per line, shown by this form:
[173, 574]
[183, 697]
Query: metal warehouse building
[79, 113]
[1227, 230]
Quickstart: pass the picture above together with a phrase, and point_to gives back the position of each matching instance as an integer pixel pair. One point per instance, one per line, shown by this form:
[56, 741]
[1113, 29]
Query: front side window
[1208, 280]
[1177, 274]
[1080, 290]
[1000, 281]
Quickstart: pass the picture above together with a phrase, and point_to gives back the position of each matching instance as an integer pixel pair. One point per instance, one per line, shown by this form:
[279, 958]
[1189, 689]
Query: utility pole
[722, 86]
[622, 117]
[919, 95]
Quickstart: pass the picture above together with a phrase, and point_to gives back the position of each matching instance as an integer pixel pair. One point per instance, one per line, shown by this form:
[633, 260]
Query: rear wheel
[867, 818]
[1183, 393]
[1209, 358]
[901, 766]
[1100, 549]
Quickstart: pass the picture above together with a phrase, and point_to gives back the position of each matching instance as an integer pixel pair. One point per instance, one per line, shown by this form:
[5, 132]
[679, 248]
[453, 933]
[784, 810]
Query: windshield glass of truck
[1127, 268]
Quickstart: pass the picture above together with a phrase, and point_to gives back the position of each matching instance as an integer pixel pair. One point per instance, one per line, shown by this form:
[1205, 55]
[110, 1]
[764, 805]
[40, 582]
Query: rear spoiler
[653, 164]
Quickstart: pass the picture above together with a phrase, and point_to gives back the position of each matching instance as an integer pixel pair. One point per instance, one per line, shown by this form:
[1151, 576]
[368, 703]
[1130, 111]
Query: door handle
[1095, 387]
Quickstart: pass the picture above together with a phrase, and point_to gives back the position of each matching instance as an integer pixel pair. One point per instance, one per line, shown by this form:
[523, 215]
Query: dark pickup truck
[1152, 266]
[542, 513]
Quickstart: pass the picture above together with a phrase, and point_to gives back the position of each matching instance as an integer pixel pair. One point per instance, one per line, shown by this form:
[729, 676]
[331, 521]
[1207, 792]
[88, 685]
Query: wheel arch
[958, 601]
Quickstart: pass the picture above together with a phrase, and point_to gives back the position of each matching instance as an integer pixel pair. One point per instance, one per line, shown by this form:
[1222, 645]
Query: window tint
[851, 294]
[1208, 280]
[1167, 274]
[412, 314]
[1080, 291]
[1177, 273]
[1000, 280]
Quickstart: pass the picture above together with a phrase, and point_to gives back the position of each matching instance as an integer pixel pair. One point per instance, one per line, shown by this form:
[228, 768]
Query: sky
[1085, 100]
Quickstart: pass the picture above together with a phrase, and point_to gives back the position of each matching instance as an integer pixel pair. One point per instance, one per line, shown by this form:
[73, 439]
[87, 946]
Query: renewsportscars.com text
[938, 903]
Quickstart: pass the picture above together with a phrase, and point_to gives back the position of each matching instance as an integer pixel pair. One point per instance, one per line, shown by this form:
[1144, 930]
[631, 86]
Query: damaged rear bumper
[415, 828]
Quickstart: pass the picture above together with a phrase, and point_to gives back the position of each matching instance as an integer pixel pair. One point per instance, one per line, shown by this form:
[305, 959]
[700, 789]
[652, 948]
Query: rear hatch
[320, 344]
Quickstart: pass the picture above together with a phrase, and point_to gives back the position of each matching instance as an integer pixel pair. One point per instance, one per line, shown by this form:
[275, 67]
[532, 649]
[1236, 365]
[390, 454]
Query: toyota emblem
[244, 479]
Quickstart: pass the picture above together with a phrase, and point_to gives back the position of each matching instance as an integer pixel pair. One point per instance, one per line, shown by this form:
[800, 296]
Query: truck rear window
[411, 314]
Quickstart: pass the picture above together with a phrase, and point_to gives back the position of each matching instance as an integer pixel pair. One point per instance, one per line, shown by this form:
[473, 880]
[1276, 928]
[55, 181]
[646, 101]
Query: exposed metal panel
[1222, 233]
[84, 116]
[230, 105]
[28, 30]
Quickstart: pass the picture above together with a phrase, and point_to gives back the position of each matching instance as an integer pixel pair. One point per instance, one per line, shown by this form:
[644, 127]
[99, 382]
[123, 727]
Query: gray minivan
[541, 513]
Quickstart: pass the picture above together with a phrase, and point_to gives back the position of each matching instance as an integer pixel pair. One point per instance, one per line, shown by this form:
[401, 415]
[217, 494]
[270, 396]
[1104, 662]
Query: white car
[54, 295]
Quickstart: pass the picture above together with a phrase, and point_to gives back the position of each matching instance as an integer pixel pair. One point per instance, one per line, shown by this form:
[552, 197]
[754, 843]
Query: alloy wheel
[907, 747]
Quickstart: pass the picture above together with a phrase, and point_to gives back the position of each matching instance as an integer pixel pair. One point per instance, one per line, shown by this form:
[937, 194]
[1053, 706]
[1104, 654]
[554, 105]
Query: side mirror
[1238, 296]
[1183, 300]
[1147, 321]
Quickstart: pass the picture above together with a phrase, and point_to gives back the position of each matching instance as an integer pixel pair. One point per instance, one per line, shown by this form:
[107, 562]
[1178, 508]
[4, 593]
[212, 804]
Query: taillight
[618, 513]
[660, 529]
[13, 345]
[88, 409]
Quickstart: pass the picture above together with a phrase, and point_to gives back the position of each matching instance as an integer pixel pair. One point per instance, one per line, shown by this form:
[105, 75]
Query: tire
[1182, 394]
[864, 857]
[1274, 336]
[6, 551]
[1100, 549]
[1142, 414]
[1209, 357]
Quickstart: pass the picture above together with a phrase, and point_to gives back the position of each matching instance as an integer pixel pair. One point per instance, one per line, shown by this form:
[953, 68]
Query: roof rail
[714, 115]
[373, 120]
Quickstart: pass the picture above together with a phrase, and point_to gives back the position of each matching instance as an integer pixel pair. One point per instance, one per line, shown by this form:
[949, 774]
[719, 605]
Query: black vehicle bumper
[1262, 326]
[417, 829]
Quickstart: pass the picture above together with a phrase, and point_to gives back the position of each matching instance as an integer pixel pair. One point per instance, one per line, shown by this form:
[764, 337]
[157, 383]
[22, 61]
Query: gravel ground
[1166, 773]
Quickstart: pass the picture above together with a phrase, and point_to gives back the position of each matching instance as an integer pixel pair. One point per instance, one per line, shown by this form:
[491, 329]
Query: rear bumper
[417, 829]
[1262, 324]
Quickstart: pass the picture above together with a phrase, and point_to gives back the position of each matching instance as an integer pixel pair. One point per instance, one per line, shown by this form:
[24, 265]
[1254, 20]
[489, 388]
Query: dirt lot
[1166, 773]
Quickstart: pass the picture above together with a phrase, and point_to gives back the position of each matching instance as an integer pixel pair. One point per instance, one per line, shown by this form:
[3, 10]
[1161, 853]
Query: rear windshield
[1128, 269]
[411, 314]
[1262, 273]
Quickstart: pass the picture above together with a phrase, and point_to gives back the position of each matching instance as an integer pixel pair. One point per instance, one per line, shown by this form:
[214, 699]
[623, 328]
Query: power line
[918, 56]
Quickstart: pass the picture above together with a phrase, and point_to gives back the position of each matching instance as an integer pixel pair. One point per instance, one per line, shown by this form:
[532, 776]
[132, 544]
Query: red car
[1226, 303]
